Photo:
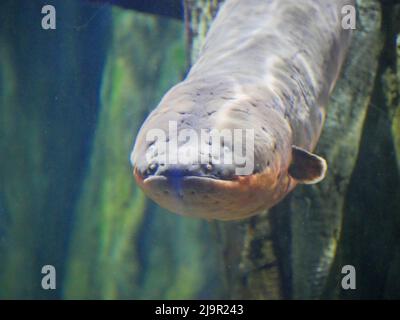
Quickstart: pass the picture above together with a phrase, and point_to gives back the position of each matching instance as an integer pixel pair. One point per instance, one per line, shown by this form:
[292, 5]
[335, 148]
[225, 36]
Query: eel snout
[178, 171]
[211, 178]
[211, 191]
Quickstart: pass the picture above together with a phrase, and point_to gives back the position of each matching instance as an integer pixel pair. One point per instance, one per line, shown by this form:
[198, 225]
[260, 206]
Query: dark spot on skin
[240, 110]
[286, 115]
[211, 112]
[263, 129]
[152, 142]
[253, 104]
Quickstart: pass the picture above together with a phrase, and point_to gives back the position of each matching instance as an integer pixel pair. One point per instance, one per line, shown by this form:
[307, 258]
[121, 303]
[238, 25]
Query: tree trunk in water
[290, 251]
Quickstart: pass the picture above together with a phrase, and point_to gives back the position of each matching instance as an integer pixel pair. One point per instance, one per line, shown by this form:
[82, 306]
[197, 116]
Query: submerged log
[289, 252]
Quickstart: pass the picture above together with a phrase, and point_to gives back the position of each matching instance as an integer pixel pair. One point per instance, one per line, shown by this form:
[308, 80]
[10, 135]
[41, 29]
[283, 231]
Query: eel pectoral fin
[307, 167]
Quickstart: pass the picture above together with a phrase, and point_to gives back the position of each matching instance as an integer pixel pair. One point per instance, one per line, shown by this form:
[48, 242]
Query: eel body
[266, 70]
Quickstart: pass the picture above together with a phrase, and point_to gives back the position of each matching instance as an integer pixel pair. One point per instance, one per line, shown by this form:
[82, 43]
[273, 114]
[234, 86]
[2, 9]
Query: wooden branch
[289, 252]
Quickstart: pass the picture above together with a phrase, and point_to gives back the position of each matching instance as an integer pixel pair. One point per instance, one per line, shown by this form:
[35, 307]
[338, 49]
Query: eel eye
[151, 169]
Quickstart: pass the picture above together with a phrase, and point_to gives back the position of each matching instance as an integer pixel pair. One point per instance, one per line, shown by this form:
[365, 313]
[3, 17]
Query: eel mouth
[211, 198]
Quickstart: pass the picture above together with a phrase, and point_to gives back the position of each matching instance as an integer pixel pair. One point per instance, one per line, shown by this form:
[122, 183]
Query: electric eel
[266, 70]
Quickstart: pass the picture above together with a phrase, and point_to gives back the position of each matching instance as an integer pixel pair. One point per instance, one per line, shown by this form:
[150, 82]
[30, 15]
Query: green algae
[38, 124]
[122, 246]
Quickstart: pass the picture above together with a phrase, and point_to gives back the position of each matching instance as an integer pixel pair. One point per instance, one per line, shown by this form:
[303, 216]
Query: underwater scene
[200, 149]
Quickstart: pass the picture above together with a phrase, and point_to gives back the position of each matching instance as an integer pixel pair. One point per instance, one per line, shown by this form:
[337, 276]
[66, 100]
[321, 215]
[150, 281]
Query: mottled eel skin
[269, 65]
